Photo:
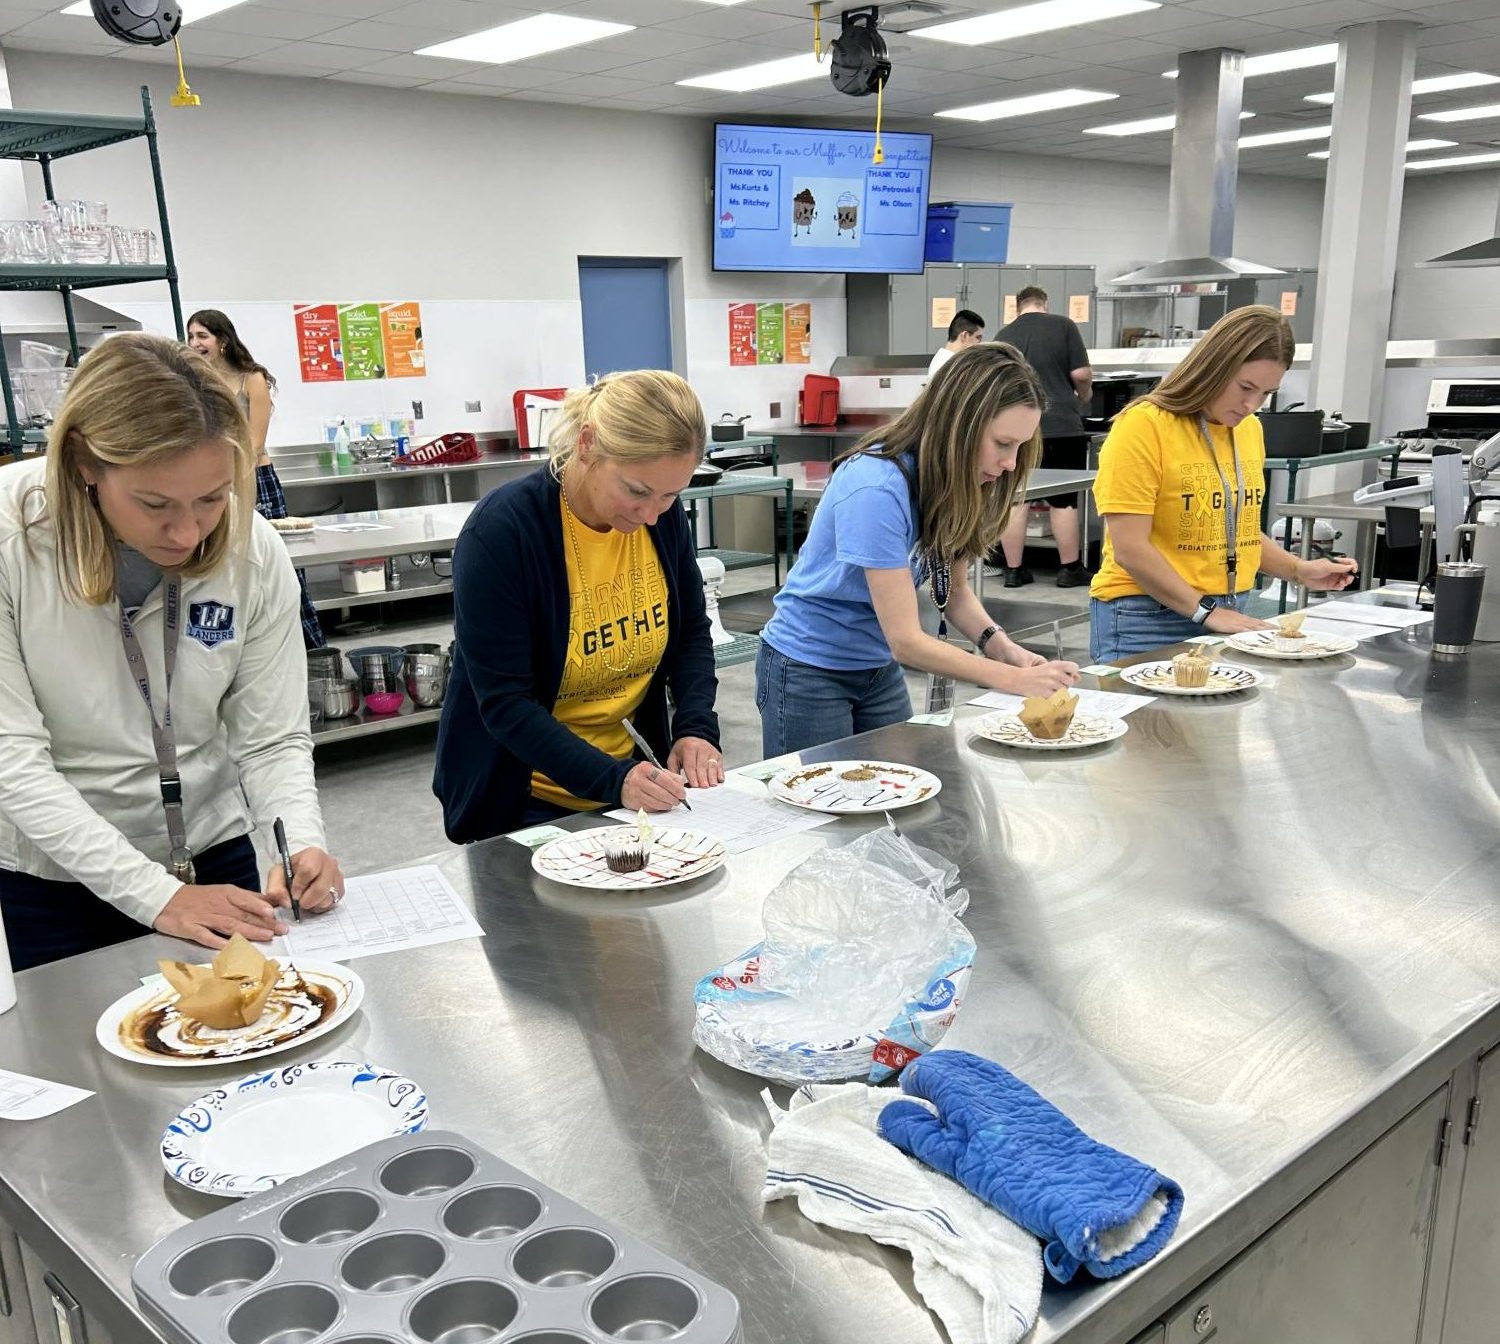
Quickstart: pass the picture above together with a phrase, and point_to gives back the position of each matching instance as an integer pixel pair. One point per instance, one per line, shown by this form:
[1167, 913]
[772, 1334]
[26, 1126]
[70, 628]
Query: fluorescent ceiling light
[1412, 147]
[1485, 112]
[1453, 161]
[1147, 127]
[191, 9]
[1022, 21]
[1024, 107]
[762, 75]
[524, 38]
[1278, 62]
[1285, 137]
[1436, 84]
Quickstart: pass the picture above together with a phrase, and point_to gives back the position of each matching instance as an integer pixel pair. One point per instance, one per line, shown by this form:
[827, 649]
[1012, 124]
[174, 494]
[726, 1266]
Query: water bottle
[342, 457]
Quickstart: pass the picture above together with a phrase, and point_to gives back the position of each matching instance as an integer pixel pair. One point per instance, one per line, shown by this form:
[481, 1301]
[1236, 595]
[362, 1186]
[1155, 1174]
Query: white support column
[1362, 217]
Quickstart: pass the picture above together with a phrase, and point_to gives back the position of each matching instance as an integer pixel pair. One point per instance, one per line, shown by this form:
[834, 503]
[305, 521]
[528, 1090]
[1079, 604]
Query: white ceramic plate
[822, 788]
[1223, 679]
[144, 1026]
[1261, 643]
[577, 860]
[1086, 730]
[263, 1129]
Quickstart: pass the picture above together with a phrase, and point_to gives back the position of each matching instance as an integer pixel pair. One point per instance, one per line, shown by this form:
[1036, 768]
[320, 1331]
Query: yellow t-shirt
[617, 635]
[1156, 463]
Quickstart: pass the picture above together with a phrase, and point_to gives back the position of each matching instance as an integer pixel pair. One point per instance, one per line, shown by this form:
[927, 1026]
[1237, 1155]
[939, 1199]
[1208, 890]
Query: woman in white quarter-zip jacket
[136, 538]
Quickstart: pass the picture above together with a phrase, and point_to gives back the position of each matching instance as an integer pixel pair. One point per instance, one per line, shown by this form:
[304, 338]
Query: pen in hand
[286, 868]
[646, 748]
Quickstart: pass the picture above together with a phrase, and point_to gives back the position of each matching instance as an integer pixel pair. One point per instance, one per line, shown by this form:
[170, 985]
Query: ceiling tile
[290, 25]
[634, 11]
[345, 9]
[322, 56]
[460, 17]
[393, 37]
[277, 64]
[733, 23]
[422, 69]
[382, 81]
[517, 76]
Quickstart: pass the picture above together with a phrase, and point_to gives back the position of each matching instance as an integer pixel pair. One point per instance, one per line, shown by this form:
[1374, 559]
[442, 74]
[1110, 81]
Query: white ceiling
[371, 41]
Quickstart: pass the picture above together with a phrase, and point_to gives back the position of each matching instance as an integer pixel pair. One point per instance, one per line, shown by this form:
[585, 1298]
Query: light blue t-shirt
[824, 615]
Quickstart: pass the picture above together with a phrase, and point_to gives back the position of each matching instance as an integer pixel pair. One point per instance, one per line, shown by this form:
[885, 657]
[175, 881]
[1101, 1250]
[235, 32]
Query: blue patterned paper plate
[265, 1128]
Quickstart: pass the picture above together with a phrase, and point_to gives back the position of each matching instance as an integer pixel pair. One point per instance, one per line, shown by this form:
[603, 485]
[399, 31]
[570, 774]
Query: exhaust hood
[1486, 253]
[1205, 170]
[40, 313]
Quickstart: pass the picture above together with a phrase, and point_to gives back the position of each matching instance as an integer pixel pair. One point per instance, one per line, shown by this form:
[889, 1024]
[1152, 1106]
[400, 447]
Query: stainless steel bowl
[339, 696]
[325, 664]
[427, 676]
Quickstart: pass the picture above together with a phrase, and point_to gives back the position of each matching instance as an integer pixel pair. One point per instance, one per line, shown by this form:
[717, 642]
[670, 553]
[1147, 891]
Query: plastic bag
[863, 967]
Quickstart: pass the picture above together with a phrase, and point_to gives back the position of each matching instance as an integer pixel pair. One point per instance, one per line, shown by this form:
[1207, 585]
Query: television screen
[794, 198]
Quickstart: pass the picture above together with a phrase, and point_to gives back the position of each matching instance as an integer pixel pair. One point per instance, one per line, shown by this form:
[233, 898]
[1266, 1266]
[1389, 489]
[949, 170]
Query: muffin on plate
[1049, 717]
[861, 783]
[627, 849]
[1288, 636]
[1190, 670]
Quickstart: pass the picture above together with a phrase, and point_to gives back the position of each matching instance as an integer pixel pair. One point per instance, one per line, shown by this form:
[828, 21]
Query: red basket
[446, 451]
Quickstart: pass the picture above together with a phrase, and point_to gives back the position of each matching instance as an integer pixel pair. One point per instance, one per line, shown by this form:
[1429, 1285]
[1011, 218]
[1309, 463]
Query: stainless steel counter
[1240, 943]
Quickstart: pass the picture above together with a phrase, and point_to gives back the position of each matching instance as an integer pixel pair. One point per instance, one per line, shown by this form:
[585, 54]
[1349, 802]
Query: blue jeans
[803, 706]
[1140, 624]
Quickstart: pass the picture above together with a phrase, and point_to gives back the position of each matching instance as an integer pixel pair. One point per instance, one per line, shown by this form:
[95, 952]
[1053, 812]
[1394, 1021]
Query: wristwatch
[1201, 612]
[985, 638]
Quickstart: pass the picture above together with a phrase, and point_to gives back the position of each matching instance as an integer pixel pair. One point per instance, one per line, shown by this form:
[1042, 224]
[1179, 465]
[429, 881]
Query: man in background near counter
[1054, 347]
[966, 329]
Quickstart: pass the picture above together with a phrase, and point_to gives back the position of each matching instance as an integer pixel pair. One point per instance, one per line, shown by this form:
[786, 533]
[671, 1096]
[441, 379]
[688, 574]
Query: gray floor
[377, 791]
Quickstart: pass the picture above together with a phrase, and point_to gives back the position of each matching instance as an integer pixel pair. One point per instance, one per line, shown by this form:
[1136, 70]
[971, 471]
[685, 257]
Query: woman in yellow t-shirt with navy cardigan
[578, 604]
[1183, 470]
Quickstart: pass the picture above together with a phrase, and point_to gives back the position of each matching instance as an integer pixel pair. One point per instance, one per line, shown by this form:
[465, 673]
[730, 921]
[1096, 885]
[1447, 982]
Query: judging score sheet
[384, 912]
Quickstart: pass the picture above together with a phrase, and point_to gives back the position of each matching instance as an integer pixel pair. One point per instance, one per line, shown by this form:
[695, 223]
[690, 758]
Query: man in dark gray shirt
[1054, 347]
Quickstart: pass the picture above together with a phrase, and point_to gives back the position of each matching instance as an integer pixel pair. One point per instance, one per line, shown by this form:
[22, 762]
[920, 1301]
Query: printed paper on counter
[384, 912]
[1345, 630]
[1365, 613]
[1109, 704]
[741, 816]
[26, 1098]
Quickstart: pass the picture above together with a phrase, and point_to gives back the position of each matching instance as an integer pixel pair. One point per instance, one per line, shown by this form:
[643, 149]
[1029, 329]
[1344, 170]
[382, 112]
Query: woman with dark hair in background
[212, 335]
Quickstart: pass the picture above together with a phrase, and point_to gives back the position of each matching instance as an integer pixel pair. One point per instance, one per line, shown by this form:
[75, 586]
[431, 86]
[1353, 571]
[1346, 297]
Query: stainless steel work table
[1241, 943]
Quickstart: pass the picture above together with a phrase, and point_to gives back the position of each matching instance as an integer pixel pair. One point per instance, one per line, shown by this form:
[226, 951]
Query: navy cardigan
[510, 606]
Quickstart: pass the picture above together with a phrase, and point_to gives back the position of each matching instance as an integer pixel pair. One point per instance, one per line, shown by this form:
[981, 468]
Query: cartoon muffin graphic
[804, 211]
[848, 212]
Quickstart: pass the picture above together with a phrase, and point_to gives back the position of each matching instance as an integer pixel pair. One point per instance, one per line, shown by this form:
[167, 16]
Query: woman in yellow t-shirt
[578, 604]
[1183, 471]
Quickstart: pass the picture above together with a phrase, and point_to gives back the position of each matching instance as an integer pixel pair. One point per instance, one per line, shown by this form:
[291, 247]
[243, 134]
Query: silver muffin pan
[427, 1238]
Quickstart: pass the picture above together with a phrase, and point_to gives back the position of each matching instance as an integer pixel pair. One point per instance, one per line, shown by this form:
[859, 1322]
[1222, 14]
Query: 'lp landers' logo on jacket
[210, 623]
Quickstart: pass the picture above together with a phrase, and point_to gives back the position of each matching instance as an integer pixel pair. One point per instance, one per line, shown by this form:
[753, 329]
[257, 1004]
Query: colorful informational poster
[1078, 307]
[799, 333]
[741, 334]
[401, 333]
[943, 311]
[319, 347]
[1289, 303]
[364, 350]
[770, 339]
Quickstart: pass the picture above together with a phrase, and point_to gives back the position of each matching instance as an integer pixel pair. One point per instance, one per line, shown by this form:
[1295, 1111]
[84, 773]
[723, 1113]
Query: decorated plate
[263, 1129]
[1086, 730]
[676, 856]
[1223, 679]
[144, 1026]
[854, 786]
[1262, 644]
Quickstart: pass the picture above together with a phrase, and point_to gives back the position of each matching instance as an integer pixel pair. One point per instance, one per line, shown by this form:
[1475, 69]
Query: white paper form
[1344, 630]
[742, 816]
[1108, 704]
[26, 1098]
[384, 912]
[1365, 613]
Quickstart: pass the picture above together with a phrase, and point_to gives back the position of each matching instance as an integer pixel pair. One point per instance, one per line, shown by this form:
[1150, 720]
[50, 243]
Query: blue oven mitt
[1094, 1207]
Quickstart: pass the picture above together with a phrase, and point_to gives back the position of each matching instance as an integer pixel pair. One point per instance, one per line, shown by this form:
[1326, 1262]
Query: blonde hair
[632, 416]
[962, 516]
[138, 400]
[1236, 339]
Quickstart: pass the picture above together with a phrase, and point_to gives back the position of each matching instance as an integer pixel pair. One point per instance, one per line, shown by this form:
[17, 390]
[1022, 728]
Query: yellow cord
[184, 97]
[817, 10]
[879, 155]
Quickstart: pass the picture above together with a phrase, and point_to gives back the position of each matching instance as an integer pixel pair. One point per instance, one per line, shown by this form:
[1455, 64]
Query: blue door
[627, 320]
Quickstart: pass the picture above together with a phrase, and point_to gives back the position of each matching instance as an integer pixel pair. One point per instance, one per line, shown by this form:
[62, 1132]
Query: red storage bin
[518, 405]
[818, 401]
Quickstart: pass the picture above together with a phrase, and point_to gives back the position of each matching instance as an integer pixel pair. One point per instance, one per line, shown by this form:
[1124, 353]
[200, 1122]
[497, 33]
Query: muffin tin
[427, 1238]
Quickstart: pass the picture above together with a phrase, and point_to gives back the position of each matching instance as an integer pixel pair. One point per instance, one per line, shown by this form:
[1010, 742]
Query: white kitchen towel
[978, 1271]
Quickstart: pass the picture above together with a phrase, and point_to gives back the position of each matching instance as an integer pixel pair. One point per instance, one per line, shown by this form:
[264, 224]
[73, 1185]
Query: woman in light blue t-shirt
[903, 516]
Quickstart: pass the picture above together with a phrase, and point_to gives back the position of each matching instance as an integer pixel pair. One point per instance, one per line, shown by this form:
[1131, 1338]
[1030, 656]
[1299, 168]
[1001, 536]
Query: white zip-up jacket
[80, 797]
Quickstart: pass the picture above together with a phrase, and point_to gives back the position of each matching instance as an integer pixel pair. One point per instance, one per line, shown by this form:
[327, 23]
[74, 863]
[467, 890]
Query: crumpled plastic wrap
[863, 967]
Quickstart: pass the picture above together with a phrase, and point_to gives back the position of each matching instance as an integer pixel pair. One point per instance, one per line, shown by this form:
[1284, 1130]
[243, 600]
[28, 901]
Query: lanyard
[163, 735]
[940, 689]
[1231, 501]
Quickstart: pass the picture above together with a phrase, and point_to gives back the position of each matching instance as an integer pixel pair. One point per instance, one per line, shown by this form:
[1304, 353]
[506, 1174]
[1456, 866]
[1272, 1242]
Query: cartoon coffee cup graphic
[804, 211]
[848, 212]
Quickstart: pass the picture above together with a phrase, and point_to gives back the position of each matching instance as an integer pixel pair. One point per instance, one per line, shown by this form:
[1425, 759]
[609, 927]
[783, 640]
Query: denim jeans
[802, 706]
[1140, 624]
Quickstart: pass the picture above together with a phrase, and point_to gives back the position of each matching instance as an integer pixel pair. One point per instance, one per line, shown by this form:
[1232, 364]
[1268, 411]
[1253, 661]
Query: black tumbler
[1455, 611]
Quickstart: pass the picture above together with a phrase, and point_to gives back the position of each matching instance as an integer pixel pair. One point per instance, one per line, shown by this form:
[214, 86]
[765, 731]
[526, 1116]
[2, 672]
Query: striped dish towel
[980, 1273]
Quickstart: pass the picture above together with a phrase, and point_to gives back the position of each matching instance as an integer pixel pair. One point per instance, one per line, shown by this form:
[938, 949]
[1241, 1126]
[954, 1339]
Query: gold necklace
[590, 615]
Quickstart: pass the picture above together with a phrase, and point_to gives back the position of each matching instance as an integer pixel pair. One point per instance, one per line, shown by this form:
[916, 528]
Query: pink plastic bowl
[384, 702]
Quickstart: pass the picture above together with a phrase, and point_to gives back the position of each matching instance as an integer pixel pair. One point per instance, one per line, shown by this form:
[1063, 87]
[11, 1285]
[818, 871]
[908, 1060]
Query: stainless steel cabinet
[55, 1310]
[1473, 1311]
[1348, 1266]
[16, 1325]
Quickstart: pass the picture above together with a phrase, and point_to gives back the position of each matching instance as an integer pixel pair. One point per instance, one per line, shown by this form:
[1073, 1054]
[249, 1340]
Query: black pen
[645, 746]
[286, 868]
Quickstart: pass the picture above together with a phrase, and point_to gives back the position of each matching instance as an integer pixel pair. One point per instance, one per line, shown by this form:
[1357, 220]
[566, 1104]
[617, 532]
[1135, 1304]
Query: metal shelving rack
[43, 138]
